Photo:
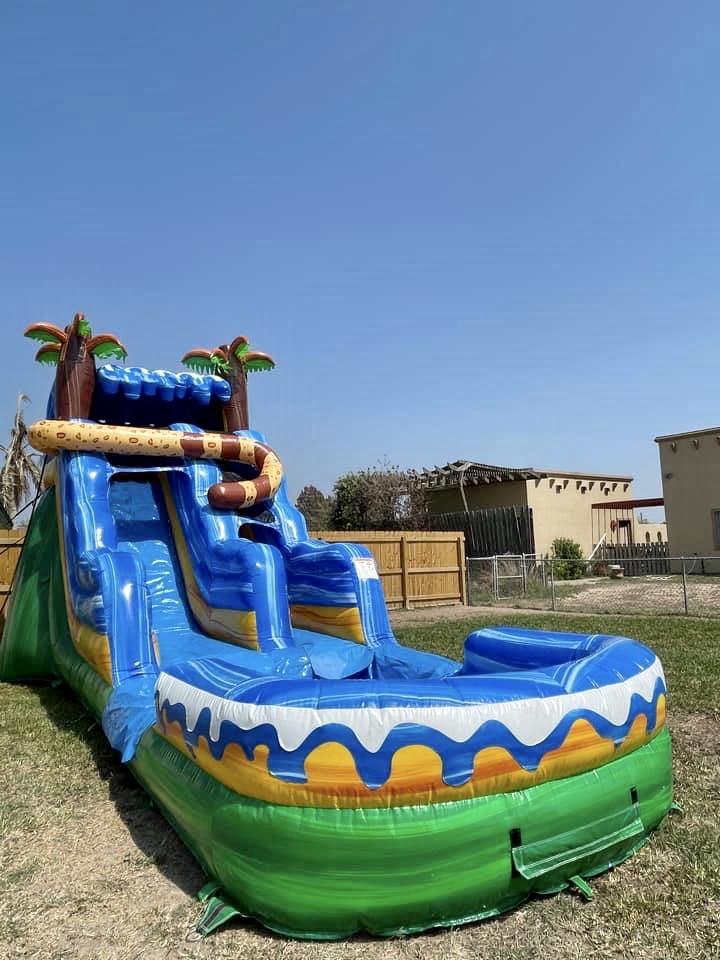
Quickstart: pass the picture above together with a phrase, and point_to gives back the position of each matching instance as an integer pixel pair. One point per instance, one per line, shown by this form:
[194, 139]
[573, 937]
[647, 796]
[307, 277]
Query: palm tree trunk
[236, 415]
[75, 379]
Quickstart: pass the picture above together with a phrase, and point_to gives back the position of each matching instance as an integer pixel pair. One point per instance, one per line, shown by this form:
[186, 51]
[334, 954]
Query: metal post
[468, 594]
[552, 583]
[404, 573]
[684, 576]
[524, 575]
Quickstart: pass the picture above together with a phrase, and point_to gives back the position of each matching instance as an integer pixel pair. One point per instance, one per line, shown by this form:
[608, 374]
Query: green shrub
[568, 563]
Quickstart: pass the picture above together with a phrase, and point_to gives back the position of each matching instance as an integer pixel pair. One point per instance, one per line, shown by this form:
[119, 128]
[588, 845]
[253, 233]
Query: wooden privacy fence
[417, 568]
[491, 532]
[637, 559]
[11, 542]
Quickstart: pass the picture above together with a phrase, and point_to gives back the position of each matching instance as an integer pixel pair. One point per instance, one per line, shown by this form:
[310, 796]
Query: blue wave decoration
[374, 768]
[138, 382]
[158, 397]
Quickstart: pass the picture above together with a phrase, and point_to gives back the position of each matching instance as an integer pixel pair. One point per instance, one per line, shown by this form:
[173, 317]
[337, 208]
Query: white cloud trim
[529, 721]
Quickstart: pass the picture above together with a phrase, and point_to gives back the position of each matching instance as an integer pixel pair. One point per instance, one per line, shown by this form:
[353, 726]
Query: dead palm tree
[20, 473]
[74, 350]
[233, 362]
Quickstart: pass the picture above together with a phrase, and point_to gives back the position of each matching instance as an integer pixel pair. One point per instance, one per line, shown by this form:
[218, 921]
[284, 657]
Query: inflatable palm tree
[74, 350]
[233, 362]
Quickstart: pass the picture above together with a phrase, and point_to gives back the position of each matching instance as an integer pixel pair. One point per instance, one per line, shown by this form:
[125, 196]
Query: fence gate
[508, 577]
[510, 572]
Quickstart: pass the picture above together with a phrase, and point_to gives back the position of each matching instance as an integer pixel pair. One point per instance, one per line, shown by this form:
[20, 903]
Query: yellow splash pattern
[233, 626]
[416, 770]
[343, 622]
[92, 646]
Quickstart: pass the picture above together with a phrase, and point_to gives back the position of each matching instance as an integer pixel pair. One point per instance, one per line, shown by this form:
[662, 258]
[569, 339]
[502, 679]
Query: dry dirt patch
[663, 595]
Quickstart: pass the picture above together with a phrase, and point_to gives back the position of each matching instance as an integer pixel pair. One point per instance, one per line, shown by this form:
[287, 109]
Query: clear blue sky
[464, 230]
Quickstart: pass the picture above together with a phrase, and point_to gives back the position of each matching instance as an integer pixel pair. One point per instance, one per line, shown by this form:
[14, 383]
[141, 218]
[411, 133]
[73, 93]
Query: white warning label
[365, 568]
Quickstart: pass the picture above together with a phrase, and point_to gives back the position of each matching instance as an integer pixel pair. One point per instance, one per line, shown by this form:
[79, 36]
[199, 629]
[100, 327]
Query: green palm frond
[49, 353]
[83, 327]
[239, 347]
[105, 346]
[199, 360]
[45, 333]
[256, 361]
[199, 366]
[109, 350]
[220, 364]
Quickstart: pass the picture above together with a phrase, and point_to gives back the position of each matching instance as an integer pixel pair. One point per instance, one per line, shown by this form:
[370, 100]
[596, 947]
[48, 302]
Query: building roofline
[688, 433]
[449, 475]
[629, 504]
[586, 476]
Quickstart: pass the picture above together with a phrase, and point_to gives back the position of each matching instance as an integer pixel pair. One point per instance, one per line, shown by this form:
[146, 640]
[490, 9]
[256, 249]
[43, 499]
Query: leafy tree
[382, 498]
[233, 362]
[20, 473]
[353, 502]
[74, 350]
[568, 563]
[316, 507]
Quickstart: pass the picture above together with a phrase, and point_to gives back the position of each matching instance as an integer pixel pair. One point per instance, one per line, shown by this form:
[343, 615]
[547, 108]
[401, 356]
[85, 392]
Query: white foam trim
[530, 721]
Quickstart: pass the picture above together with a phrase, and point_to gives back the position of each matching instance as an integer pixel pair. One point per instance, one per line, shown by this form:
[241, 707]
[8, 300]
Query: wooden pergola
[613, 515]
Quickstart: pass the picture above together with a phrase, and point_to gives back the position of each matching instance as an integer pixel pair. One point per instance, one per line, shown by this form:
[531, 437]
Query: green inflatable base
[327, 873]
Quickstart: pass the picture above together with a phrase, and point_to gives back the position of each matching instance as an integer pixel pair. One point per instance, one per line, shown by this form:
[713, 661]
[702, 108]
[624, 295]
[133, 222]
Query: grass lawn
[88, 869]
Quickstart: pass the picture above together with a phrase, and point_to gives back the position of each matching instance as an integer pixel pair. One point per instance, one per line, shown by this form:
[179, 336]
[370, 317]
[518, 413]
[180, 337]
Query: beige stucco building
[579, 506]
[650, 531]
[690, 468]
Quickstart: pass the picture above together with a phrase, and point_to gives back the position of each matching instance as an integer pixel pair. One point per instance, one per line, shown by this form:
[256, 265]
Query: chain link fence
[676, 585]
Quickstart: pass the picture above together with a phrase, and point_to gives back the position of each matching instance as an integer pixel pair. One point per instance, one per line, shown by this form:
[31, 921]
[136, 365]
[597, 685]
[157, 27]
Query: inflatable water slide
[327, 778]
